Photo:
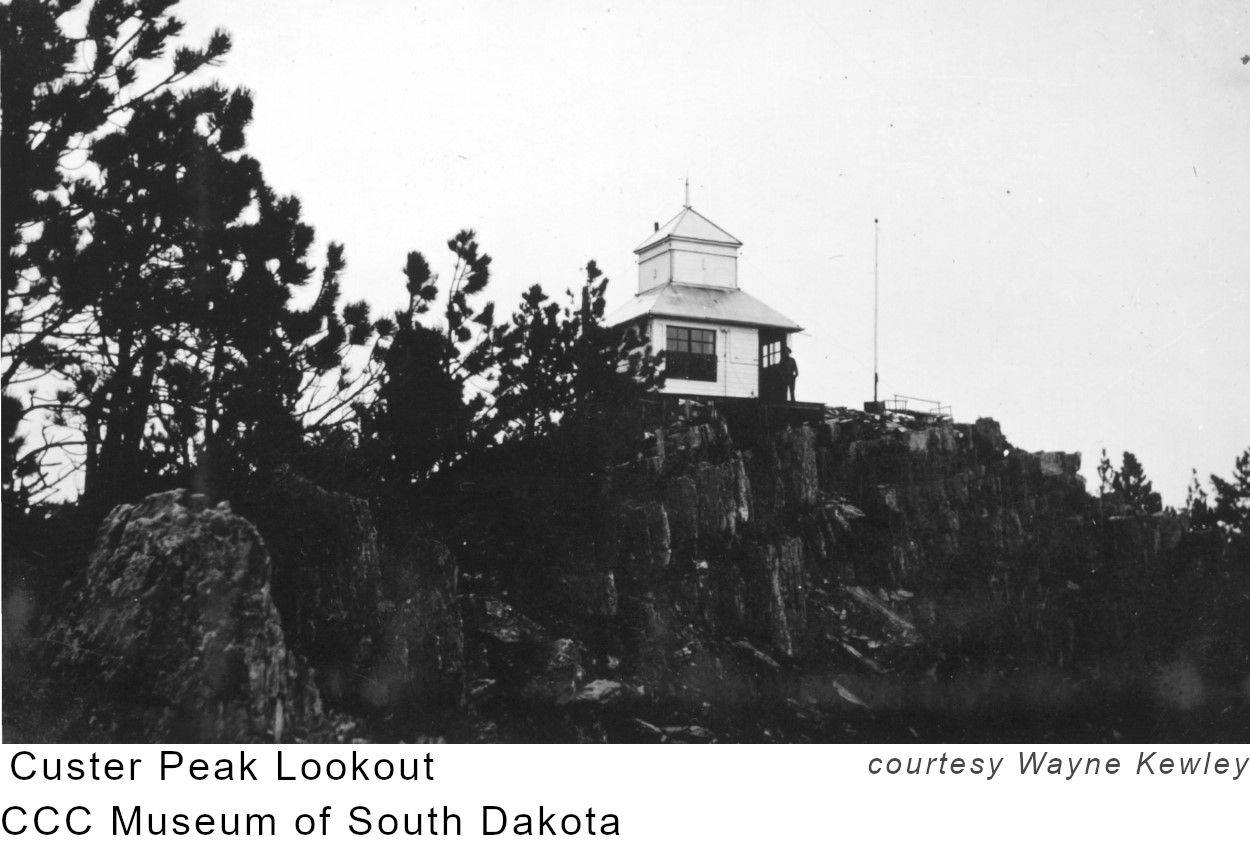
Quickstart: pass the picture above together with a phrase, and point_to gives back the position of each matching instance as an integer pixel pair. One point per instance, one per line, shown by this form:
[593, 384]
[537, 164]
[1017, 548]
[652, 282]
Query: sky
[1063, 187]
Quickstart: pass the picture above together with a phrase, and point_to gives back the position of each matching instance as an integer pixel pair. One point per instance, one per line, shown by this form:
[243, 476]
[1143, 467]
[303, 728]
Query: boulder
[599, 691]
[1058, 463]
[689, 734]
[171, 634]
[496, 621]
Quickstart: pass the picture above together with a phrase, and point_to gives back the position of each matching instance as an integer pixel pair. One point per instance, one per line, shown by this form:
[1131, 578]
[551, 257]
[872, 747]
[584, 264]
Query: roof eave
[789, 329]
[651, 244]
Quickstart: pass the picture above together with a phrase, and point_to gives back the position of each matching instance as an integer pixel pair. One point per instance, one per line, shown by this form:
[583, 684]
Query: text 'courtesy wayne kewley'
[1044, 763]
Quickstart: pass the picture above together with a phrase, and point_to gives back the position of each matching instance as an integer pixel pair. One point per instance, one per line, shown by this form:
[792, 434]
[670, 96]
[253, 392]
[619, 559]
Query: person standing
[791, 371]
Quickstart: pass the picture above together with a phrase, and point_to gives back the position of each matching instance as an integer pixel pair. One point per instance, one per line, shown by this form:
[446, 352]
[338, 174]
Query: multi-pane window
[695, 341]
[771, 353]
[690, 353]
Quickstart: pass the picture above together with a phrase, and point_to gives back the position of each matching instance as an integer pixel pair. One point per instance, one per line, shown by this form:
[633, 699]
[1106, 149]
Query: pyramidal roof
[689, 224]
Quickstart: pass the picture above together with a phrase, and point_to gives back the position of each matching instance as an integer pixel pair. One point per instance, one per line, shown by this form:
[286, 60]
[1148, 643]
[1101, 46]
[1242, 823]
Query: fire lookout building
[718, 340]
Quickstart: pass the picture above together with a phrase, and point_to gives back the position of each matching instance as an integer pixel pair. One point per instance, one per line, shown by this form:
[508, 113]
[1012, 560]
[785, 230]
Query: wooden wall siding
[737, 365]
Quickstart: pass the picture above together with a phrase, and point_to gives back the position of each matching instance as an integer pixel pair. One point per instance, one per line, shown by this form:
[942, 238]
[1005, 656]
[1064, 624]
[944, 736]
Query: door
[772, 374]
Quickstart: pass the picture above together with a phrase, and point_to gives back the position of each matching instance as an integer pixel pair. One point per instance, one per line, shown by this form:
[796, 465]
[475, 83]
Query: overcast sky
[1063, 187]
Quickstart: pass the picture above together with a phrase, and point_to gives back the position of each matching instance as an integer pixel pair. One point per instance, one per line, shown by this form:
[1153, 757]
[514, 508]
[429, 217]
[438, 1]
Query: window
[770, 354]
[690, 353]
[695, 341]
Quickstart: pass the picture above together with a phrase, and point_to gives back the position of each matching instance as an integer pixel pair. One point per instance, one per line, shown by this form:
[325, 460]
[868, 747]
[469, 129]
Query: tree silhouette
[149, 299]
[1106, 473]
[59, 93]
[533, 367]
[1198, 505]
[432, 399]
[1133, 487]
[1232, 497]
[559, 366]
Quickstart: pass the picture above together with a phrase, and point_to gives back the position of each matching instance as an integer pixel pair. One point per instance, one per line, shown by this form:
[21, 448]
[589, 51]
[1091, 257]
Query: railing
[930, 407]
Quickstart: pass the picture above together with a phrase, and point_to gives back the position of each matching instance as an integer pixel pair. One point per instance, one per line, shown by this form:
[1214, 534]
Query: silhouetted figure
[790, 370]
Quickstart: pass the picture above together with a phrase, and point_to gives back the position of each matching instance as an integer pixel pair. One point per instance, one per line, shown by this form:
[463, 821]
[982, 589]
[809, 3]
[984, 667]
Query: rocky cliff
[885, 575]
[857, 576]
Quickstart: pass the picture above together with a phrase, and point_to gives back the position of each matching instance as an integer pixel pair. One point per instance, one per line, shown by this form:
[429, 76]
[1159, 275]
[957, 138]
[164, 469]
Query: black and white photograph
[662, 372]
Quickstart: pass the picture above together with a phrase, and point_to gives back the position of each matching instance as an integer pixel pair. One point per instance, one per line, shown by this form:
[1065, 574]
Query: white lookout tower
[717, 339]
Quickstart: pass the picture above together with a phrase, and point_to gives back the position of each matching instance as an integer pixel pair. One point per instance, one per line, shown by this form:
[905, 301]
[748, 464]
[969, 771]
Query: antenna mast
[687, 190]
[876, 284]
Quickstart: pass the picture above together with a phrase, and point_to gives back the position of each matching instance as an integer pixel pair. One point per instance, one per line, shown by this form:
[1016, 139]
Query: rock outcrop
[186, 625]
[172, 635]
[856, 576]
[326, 577]
[865, 566]
[381, 626]
[416, 666]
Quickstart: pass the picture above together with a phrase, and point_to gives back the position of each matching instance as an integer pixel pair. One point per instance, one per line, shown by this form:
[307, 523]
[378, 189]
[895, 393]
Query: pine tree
[1232, 497]
[561, 365]
[432, 403]
[1133, 487]
[533, 369]
[1198, 505]
[151, 304]
[1106, 473]
[59, 93]
[613, 371]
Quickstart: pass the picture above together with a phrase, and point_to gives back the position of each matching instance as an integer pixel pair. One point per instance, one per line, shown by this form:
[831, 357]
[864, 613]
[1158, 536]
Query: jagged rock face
[644, 540]
[870, 544]
[326, 578]
[738, 566]
[784, 476]
[417, 662]
[779, 569]
[855, 565]
[381, 627]
[173, 634]
[944, 501]
[699, 539]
